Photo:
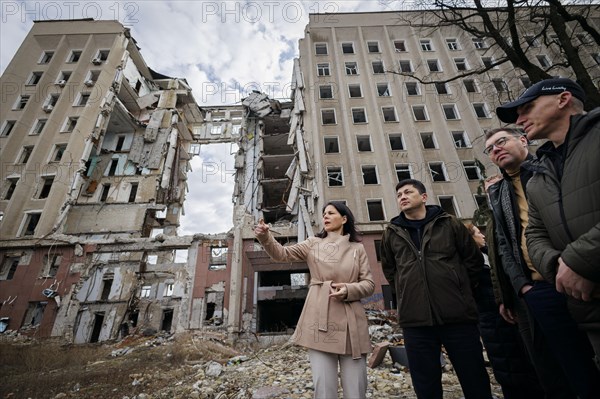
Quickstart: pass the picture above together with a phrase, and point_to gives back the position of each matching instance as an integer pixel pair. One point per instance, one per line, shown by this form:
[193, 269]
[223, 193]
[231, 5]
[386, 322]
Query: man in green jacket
[563, 235]
[433, 264]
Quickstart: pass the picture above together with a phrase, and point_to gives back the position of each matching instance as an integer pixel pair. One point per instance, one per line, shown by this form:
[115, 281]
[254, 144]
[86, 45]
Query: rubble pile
[205, 366]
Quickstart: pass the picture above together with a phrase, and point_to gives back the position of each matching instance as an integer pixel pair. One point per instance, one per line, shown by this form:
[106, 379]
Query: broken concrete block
[378, 354]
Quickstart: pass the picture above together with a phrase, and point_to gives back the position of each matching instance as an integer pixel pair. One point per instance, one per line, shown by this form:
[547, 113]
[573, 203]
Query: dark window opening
[97, 329]
[447, 204]
[133, 192]
[375, 209]
[278, 316]
[167, 320]
[104, 194]
[113, 167]
[106, 287]
[120, 142]
[331, 145]
[46, 187]
[369, 175]
[210, 310]
[32, 223]
[396, 142]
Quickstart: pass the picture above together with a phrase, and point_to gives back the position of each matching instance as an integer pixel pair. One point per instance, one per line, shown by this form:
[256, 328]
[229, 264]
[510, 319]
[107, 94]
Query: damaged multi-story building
[95, 150]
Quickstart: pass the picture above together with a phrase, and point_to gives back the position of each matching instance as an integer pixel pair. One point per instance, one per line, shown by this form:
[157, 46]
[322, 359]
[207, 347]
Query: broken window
[218, 258]
[168, 289]
[104, 193]
[412, 88]
[396, 142]
[133, 192]
[51, 264]
[447, 204]
[363, 143]
[63, 78]
[112, 168]
[12, 185]
[34, 314]
[21, 102]
[420, 113]
[369, 173]
[438, 171]
[46, 57]
[351, 68]
[481, 110]
[405, 66]
[46, 186]
[59, 150]
[428, 140]
[348, 48]
[359, 115]
[389, 114]
[403, 171]
[9, 267]
[328, 117]
[471, 170]
[70, 124]
[373, 47]
[452, 44]
[399, 46]
[375, 210]
[433, 66]
[34, 78]
[378, 67]
[107, 283]
[461, 140]
[74, 56]
[441, 88]
[31, 222]
[216, 129]
[38, 127]
[335, 176]
[461, 64]
[181, 256]
[383, 90]
[83, 99]
[500, 85]
[325, 92]
[145, 292]
[450, 111]
[102, 55]
[355, 90]
[479, 43]
[323, 69]
[488, 62]
[7, 128]
[470, 85]
[426, 45]
[321, 48]
[331, 145]
[25, 154]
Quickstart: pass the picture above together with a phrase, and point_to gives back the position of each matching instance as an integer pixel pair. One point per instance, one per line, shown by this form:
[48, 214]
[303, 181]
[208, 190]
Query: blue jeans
[423, 346]
[569, 346]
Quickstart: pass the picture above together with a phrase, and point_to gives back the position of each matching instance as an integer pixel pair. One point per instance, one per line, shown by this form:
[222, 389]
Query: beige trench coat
[326, 324]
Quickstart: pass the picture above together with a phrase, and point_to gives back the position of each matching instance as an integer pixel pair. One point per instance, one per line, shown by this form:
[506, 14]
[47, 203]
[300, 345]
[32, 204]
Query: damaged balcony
[275, 161]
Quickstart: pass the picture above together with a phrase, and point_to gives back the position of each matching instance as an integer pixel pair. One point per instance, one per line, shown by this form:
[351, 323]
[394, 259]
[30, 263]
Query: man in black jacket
[563, 233]
[556, 353]
[430, 259]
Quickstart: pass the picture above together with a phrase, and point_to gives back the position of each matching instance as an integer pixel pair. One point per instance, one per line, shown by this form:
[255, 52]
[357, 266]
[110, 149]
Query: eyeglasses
[501, 142]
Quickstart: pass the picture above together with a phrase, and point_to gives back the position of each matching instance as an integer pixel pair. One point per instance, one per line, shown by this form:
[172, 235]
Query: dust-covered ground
[189, 365]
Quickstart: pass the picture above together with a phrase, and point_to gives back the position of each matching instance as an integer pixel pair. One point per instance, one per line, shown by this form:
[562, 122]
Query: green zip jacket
[434, 283]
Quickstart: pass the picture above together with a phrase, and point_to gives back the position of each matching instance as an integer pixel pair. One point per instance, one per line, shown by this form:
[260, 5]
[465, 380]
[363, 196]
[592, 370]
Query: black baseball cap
[507, 113]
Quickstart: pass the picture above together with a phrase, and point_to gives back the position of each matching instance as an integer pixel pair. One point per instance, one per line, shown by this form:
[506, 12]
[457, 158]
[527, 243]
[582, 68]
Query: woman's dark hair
[349, 227]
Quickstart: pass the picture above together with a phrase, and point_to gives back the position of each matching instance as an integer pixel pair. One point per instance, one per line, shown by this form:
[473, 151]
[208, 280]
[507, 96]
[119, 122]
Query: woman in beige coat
[333, 325]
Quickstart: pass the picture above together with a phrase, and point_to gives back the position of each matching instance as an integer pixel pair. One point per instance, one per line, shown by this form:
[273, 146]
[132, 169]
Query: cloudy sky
[223, 48]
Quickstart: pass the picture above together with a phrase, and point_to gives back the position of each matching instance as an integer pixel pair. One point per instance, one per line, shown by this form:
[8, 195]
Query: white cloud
[220, 47]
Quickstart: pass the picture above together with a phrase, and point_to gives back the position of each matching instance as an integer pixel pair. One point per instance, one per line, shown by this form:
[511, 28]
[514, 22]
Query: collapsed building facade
[95, 150]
